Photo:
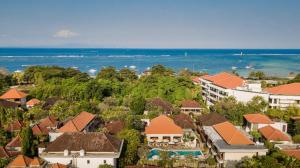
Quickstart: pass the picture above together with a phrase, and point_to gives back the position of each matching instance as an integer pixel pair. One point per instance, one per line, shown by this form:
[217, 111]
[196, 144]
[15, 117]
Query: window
[104, 161]
[275, 101]
[255, 126]
[88, 161]
[284, 128]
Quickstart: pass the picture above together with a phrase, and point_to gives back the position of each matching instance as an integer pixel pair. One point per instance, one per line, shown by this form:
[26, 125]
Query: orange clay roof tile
[231, 134]
[258, 118]
[225, 80]
[163, 125]
[271, 133]
[292, 89]
[13, 94]
[33, 102]
[292, 152]
[78, 123]
[20, 161]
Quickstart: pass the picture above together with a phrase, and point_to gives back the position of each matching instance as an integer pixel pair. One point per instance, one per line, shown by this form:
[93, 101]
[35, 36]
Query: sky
[150, 23]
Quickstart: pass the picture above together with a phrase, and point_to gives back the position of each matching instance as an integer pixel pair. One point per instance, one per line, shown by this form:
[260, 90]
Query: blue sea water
[271, 61]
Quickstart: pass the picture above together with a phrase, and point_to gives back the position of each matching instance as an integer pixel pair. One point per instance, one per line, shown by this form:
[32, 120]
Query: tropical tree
[27, 141]
[129, 154]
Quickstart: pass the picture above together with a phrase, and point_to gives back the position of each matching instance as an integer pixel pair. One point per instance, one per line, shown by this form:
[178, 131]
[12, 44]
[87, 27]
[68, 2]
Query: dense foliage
[234, 110]
[274, 158]
[132, 141]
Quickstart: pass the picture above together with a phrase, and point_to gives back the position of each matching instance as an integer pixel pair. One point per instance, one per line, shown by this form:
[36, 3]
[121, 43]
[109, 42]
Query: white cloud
[65, 34]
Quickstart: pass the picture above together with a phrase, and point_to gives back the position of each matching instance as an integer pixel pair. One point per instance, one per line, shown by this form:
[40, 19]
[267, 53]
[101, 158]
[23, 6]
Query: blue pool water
[154, 152]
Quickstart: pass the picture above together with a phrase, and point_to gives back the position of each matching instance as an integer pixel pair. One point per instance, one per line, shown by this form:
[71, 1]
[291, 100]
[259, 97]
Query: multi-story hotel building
[216, 87]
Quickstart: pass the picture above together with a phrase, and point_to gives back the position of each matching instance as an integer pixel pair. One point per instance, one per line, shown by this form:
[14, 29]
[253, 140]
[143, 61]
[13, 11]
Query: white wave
[132, 66]
[266, 54]
[233, 67]
[18, 71]
[165, 55]
[92, 71]
[69, 56]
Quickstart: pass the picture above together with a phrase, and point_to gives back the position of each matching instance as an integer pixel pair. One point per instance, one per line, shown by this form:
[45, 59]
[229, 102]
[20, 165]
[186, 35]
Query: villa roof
[292, 89]
[33, 102]
[184, 121]
[38, 130]
[36, 162]
[8, 104]
[24, 161]
[196, 79]
[258, 118]
[57, 165]
[210, 119]
[189, 104]
[115, 127]
[49, 121]
[231, 134]
[20, 161]
[292, 152]
[89, 142]
[4, 153]
[163, 125]
[225, 80]
[78, 123]
[13, 93]
[15, 142]
[15, 126]
[271, 133]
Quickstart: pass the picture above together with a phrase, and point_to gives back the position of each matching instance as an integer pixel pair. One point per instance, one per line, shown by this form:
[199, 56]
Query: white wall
[240, 155]
[81, 162]
[245, 96]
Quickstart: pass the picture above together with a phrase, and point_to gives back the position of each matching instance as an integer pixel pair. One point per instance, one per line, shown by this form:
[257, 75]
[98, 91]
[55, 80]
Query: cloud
[65, 34]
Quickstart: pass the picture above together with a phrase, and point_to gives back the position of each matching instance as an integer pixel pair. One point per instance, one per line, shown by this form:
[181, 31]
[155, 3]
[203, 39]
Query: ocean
[279, 62]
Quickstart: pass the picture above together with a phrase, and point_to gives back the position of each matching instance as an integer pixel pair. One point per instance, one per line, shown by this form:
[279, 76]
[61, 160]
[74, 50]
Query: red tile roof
[15, 126]
[20, 161]
[190, 104]
[24, 161]
[163, 125]
[271, 133]
[292, 89]
[292, 152]
[225, 80]
[13, 94]
[258, 118]
[38, 130]
[49, 121]
[196, 79]
[231, 134]
[78, 123]
[36, 162]
[4, 153]
[15, 142]
[115, 127]
[57, 165]
[33, 102]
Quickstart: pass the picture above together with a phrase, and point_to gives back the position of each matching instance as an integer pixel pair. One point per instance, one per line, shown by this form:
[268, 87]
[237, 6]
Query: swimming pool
[172, 153]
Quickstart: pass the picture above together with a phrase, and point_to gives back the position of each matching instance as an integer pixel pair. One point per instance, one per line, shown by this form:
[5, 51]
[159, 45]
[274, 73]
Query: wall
[81, 161]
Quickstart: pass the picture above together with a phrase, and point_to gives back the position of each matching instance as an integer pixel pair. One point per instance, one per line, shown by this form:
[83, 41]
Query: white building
[162, 130]
[83, 150]
[253, 122]
[227, 143]
[284, 95]
[216, 87]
